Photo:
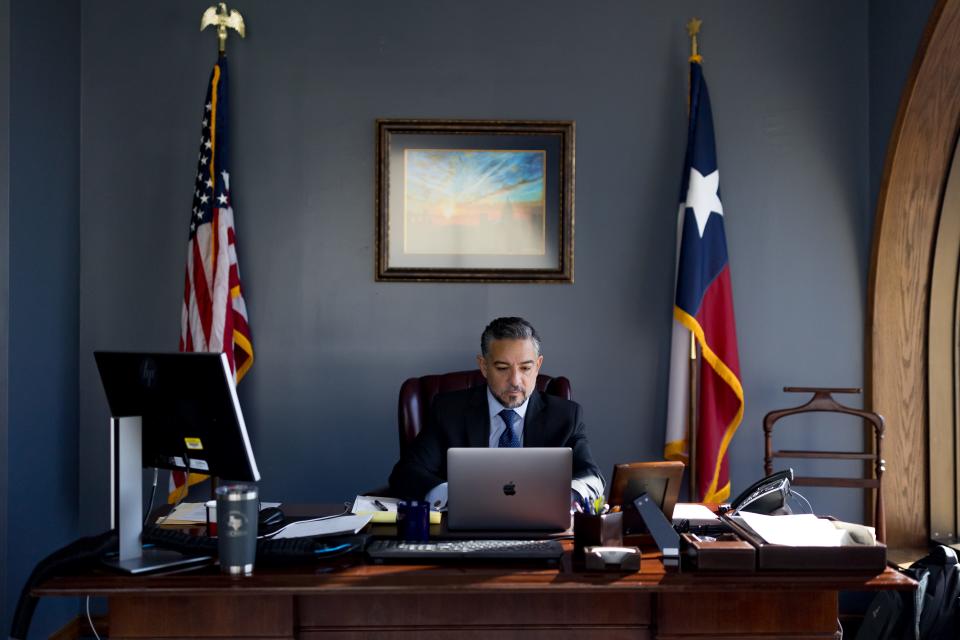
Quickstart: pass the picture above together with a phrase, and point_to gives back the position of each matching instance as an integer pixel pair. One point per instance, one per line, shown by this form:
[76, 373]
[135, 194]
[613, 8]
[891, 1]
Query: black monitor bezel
[208, 410]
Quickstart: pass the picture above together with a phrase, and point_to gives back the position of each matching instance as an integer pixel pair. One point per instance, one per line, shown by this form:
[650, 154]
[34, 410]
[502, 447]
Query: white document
[695, 514]
[196, 513]
[340, 525]
[802, 530]
[374, 504]
[383, 510]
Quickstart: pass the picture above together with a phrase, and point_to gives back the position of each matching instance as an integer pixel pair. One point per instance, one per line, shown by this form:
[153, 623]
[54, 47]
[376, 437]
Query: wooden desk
[393, 602]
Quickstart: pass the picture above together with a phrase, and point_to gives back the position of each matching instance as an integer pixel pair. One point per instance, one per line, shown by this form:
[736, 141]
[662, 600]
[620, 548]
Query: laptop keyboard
[465, 550]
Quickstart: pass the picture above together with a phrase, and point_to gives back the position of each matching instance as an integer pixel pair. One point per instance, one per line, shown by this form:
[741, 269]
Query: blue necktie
[509, 437]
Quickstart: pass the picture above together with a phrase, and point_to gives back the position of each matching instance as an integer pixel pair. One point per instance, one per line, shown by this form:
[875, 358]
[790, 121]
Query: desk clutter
[804, 542]
[269, 551]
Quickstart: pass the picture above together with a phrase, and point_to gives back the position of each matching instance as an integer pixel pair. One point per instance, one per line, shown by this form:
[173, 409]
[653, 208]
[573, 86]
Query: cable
[90, 621]
[181, 494]
[794, 492]
[153, 495]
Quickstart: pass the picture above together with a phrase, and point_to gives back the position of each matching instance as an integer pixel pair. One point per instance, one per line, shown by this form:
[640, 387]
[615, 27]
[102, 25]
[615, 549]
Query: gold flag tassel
[222, 18]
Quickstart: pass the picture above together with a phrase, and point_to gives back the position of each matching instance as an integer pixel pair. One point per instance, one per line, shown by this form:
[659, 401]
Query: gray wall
[895, 33]
[44, 182]
[332, 346]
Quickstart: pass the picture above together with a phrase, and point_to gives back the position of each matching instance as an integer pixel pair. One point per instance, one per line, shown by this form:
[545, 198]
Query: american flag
[214, 315]
[703, 307]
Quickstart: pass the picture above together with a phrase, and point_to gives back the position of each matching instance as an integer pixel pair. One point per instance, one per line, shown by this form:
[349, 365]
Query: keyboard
[268, 550]
[440, 550]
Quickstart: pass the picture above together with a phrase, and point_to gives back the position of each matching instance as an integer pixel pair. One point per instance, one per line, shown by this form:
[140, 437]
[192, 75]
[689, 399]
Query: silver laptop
[522, 489]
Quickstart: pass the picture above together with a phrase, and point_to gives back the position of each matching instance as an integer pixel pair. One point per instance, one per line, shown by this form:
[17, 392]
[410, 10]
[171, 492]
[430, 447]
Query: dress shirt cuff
[587, 488]
[437, 497]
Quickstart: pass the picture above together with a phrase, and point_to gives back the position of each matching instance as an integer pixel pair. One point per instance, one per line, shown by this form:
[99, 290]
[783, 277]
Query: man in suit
[508, 411]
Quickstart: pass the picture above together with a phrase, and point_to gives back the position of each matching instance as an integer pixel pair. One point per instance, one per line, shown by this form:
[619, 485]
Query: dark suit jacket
[462, 419]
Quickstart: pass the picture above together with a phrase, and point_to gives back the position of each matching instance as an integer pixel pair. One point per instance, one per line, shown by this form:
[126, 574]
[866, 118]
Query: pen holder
[596, 530]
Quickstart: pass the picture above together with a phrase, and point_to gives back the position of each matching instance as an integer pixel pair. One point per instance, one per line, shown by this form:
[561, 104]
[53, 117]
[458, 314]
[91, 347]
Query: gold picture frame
[475, 201]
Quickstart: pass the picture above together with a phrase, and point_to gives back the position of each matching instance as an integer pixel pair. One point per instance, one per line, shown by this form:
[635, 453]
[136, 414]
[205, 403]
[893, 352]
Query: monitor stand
[126, 489]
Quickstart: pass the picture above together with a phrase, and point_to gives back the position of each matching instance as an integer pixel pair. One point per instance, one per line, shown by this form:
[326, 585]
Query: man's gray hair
[508, 329]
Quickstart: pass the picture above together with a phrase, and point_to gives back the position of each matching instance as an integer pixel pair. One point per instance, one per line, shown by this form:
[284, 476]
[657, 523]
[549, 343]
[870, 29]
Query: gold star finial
[693, 27]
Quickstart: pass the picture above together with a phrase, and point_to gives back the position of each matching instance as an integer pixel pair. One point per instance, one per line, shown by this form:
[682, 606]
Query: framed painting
[474, 201]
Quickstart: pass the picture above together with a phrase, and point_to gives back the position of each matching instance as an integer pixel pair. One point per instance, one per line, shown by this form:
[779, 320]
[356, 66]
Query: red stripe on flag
[719, 404]
[201, 293]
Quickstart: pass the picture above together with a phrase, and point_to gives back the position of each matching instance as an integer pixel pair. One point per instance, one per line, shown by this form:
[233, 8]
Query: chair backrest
[822, 400]
[416, 395]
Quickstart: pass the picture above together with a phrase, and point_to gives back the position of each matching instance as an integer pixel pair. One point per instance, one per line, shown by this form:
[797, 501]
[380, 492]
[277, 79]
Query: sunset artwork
[474, 202]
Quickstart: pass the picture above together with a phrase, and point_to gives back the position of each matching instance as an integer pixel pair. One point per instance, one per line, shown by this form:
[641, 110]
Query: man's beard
[512, 404]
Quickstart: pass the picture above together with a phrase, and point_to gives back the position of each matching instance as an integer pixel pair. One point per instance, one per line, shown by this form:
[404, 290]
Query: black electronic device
[767, 496]
[666, 537]
[189, 409]
[460, 550]
[269, 550]
[173, 411]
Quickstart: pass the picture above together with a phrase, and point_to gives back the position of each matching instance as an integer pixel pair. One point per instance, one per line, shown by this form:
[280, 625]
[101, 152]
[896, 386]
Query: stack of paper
[383, 510]
[339, 525]
[695, 514]
[187, 513]
[802, 530]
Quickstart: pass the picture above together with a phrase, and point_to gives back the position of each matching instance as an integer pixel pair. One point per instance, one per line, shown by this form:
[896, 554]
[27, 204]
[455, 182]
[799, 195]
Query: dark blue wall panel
[895, 32]
[43, 275]
[4, 287]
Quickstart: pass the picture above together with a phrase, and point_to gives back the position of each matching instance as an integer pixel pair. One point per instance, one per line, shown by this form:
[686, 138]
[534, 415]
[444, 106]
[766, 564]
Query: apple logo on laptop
[510, 489]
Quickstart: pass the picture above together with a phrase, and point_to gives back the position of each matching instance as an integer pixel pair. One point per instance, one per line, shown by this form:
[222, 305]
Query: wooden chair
[822, 400]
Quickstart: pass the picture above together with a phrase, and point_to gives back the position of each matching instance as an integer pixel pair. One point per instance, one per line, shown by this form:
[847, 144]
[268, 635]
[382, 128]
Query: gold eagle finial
[222, 18]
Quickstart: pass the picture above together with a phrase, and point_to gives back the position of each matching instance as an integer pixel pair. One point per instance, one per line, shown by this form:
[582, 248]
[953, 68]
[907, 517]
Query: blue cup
[413, 520]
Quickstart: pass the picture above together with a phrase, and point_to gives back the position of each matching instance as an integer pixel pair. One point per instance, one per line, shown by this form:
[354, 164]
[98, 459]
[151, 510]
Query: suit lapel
[477, 419]
[533, 435]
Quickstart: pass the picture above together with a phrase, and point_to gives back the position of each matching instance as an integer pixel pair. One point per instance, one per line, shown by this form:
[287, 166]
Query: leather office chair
[822, 400]
[416, 395]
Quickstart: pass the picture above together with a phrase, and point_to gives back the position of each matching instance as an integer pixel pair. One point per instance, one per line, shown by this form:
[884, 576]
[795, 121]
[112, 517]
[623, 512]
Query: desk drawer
[553, 616]
[771, 614]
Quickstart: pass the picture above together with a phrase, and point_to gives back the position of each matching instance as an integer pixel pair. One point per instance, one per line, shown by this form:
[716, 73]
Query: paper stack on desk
[187, 513]
[383, 510]
[695, 514]
[319, 527]
[807, 530]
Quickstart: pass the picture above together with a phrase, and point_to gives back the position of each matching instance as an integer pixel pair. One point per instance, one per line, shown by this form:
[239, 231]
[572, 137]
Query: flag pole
[693, 28]
[693, 370]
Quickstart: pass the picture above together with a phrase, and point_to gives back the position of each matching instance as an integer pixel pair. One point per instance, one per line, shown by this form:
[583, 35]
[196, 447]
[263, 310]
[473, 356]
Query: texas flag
[703, 307]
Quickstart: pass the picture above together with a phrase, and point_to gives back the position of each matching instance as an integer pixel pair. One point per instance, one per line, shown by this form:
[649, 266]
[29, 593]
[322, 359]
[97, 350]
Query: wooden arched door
[915, 176]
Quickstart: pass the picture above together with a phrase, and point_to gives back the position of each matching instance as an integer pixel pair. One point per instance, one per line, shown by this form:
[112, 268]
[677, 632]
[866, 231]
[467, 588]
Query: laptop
[503, 489]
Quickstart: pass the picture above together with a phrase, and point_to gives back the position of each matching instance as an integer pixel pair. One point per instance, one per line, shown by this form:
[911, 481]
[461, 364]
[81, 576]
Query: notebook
[501, 489]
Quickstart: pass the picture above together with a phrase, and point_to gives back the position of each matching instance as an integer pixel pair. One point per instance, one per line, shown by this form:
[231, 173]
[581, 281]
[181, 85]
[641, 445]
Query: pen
[380, 505]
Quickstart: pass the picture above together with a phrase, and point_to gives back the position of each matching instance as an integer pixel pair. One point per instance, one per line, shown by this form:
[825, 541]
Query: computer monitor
[173, 411]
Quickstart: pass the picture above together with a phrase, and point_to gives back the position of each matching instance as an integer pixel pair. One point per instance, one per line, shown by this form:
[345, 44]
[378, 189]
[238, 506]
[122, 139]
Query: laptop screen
[507, 489]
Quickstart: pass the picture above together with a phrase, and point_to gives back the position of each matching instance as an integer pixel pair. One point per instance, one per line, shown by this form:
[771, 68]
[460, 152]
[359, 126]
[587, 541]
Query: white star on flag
[703, 198]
